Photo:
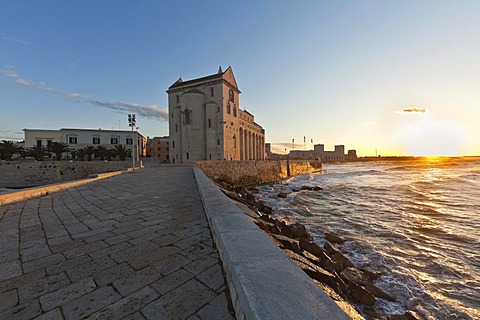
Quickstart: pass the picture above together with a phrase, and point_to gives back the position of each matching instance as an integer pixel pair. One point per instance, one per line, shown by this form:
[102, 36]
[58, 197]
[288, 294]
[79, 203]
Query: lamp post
[132, 123]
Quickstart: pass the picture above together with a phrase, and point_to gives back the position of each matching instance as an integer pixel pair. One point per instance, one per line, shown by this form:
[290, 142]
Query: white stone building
[80, 138]
[206, 122]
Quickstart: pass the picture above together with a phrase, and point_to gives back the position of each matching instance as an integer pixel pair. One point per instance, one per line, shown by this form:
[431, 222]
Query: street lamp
[132, 122]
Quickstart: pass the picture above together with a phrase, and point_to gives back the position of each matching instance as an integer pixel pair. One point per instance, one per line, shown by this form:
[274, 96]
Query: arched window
[211, 92]
[234, 142]
[228, 108]
[187, 117]
[231, 96]
[234, 111]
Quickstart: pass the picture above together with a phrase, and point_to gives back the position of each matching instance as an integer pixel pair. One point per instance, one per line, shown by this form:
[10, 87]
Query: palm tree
[81, 153]
[8, 148]
[122, 151]
[38, 152]
[58, 148]
[89, 151]
[102, 151]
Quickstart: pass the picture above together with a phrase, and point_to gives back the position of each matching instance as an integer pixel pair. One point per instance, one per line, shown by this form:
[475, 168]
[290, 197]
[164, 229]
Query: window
[218, 142]
[96, 140]
[187, 116]
[114, 140]
[234, 142]
[178, 98]
[49, 143]
[159, 149]
[173, 144]
[230, 95]
[211, 92]
[218, 109]
[188, 156]
[172, 115]
[39, 142]
[234, 111]
[228, 108]
[167, 149]
[128, 141]
[176, 127]
[72, 140]
[209, 123]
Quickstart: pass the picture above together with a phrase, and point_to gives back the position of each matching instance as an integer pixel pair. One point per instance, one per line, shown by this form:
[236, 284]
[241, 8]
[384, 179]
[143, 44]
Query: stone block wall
[250, 173]
[24, 174]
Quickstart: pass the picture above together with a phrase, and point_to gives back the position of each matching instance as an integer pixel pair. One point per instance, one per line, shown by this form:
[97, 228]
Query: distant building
[158, 148]
[206, 122]
[80, 138]
[319, 153]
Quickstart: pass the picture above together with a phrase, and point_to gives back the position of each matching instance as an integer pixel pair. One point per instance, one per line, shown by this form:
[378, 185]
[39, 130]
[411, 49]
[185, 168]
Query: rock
[372, 312]
[288, 243]
[317, 188]
[362, 294]
[351, 274]
[342, 260]
[300, 231]
[296, 190]
[411, 315]
[311, 247]
[333, 238]
[264, 208]
[266, 217]
[378, 292]
[282, 194]
[250, 197]
[331, 249]
[272, 228]
[286, 230]
[372, 274]
[331, 266]
[264, 225]
[311, 188]
[313, 271]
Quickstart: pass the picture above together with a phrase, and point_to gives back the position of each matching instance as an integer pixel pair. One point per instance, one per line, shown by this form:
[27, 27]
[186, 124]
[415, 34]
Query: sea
[415, 221]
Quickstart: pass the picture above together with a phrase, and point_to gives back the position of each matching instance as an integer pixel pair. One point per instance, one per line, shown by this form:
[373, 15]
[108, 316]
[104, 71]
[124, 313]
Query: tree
[58, 148]
[81, 153]
[122, 152]
[8, 148]
[89, 151]
[37, 152]
[103, 152]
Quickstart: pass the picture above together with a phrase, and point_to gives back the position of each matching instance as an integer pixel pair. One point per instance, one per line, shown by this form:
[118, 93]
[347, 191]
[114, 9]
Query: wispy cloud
[412, 111]
[146, 111]
[4, 36]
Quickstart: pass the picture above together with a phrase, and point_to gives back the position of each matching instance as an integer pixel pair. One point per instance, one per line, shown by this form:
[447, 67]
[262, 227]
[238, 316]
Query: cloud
[75, 96]
[146, 111]
[4, 36]
[412, 111]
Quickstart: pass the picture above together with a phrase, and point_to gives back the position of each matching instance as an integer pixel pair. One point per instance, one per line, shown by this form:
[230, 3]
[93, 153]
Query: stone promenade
[134, 246]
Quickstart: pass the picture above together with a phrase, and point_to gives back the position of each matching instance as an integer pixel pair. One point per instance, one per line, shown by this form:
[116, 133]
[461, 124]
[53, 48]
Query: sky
[380, 77]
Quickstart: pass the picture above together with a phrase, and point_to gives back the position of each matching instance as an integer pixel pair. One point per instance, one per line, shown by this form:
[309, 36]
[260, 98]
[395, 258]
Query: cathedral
[206, 122]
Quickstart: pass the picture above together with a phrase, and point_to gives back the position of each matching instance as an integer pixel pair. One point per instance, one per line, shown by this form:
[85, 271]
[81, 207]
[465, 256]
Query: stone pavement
[134, 246]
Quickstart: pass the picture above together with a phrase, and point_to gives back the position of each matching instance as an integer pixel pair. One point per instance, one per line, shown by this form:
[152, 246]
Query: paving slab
[133, 246]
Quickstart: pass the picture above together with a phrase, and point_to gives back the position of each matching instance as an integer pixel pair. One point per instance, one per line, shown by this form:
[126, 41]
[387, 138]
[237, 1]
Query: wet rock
[288, 243]
[311, 188]
[264, 208]
[377, 292]
[333, 238]
[250, 197]
[373, 312]
[313, 271]
[311, 247]
[362, 294]
[282, 194]
[331, 266]
[372, 274]
[296, 190]
[351, 274]
[342, 260]
[300, 231]
[266, 217]
[330, 248]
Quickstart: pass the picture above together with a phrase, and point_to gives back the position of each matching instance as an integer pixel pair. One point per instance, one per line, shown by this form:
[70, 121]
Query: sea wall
[23, 174]
[250, 173]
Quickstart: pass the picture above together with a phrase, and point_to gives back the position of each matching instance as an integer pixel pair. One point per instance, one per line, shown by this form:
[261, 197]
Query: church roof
[227, 75]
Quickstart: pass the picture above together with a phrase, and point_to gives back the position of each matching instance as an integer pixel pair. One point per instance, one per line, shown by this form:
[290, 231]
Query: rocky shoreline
[352, 288]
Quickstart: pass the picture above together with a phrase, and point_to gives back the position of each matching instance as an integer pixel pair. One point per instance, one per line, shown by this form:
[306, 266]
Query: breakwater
[24, 174]
[251, 173]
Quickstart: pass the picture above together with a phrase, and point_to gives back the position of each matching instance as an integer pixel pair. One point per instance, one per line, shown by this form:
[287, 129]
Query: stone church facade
[206, 122]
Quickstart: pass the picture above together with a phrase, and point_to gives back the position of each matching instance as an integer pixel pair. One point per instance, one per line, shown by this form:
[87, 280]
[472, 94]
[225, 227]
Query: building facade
[80, 138]
[319, 153]
[206, 122]
[158, 148]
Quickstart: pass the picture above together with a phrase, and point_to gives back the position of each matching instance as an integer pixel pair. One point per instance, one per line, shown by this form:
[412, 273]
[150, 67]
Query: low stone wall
[249, 173]
[24, 174]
